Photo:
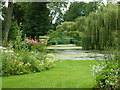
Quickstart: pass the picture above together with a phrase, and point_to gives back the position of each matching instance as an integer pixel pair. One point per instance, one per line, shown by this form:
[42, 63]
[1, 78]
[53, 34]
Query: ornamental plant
[22, 62]
[34, 45]
[25, 56]
[106, 71]
[25, 44]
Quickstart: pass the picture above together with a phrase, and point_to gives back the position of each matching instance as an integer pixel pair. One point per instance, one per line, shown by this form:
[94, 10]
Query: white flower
[2, 47]
[8, 51]
[11, 51]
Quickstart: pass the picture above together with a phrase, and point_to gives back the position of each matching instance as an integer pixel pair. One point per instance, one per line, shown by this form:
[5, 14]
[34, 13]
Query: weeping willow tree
[100, 28]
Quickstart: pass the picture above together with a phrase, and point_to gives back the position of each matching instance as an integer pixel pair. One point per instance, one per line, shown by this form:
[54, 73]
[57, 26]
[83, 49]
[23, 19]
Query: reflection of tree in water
[71, 42]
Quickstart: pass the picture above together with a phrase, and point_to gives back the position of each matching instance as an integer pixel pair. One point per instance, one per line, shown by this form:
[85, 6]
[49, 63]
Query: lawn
[66, 74]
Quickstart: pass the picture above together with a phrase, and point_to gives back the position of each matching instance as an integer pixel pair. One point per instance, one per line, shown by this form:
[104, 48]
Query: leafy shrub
[22, 62]
[63, 42]
[28, 44]
[24, 56]
[25, 44]
[49, 61]
[106, 71]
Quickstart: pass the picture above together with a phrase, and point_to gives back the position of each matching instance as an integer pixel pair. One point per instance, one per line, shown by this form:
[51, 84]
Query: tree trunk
[8, 20]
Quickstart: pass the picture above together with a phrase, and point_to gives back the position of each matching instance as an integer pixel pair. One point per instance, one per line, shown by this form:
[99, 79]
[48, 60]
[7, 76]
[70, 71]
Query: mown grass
[66, 74]
[0, 82]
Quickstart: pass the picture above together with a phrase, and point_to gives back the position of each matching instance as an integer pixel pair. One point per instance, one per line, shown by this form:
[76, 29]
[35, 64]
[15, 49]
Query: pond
[74, 54]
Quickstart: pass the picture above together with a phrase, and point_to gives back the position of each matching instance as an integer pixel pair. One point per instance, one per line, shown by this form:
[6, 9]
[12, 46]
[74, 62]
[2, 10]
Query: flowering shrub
[21, 62]
[30, 45]
[49, 61]
[34, 45]
[32, 41]
[25, 44]
[25, 56]
[106, 71]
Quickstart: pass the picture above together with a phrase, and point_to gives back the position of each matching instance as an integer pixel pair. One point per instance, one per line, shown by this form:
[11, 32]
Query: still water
[77, 55]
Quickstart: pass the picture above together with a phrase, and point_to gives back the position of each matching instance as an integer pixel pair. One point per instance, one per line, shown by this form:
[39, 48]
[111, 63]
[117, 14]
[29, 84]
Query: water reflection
[63, 54]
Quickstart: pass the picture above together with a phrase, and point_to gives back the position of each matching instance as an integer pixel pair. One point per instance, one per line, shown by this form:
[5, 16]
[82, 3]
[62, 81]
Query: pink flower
[32, 41]
[35, 41]
[27, 39]
[43, 42]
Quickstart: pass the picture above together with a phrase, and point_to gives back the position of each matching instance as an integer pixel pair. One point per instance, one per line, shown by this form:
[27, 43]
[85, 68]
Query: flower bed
[25, 56]
[106, 71]
[21, 62]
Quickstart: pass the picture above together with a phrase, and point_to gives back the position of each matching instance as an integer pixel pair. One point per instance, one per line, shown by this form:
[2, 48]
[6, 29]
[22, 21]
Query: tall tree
[101, 28]
[8, 20]
[37, 21]
[79, 9]
[19, 11]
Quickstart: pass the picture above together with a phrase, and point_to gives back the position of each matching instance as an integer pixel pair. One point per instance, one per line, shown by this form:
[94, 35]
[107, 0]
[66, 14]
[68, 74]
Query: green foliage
[19, 11]
[36, 23]
[13, 30]
[79, 9]
[22, 62]
[99, 28]
[14, 27]
[16, 20]
[80, 23]
[26, 16]
[25, 44]
[64, 33]
[106, 71]
[24, 56]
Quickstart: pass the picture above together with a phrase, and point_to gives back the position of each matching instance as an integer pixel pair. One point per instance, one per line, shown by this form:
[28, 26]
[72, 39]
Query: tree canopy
[100, 28]
[30, 17]
[37, 21]
[79, 9]
[97, 25]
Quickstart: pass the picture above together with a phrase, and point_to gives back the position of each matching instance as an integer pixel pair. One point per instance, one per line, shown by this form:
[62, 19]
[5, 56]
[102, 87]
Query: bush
[24, 56]
[106, 71]
[28, 44]
[25, 44]
[22, 62]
